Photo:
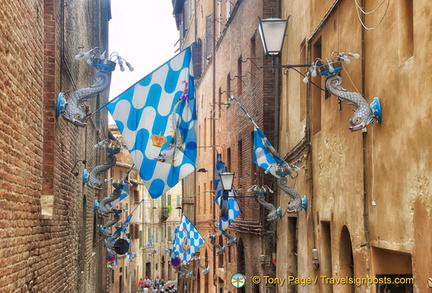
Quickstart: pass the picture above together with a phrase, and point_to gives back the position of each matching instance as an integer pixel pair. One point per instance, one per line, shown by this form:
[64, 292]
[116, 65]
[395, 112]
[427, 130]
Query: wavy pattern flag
[227, 201]
[187, 241]
[220, 168]
[230, 209]
[265, 156]
[157, 118]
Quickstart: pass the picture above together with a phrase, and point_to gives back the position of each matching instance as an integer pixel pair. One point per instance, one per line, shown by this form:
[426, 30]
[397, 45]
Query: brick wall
[238, 45]
[47, 239]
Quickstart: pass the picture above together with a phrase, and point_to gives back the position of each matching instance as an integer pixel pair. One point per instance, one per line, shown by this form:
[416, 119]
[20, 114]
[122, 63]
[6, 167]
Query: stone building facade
[369, 198]
[368, 190]
[47, 223]
[227, 63]
[150, 231]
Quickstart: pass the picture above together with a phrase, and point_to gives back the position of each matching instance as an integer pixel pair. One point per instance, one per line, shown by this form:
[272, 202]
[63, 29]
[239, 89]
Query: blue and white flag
[229, 207]
[157, 119]
[123, 195]
[187, 241]
[265, 156]
[125, 223]
[220, 168]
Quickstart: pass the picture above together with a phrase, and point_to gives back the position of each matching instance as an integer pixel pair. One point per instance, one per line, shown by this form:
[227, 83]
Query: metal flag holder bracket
[72, 110]
[365, 113]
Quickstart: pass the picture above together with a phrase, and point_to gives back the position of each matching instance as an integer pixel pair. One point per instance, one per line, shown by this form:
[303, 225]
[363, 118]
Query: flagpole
[244, 110]
[271, 148]
[194, 44]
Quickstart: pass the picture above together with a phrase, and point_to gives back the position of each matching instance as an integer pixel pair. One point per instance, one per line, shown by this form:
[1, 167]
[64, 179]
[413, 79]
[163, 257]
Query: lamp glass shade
[272, 33]
[227, 180]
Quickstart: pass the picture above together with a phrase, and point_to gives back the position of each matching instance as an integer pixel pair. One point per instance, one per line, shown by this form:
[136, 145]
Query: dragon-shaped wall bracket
[205, 269]
[259, 193]
[73, 110]
[297, 204]
[365, 114]
[92, 178]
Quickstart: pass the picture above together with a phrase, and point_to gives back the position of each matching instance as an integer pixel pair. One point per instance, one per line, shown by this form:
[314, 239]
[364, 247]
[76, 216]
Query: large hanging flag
[227, 201]
[157, 118]
[187, 241]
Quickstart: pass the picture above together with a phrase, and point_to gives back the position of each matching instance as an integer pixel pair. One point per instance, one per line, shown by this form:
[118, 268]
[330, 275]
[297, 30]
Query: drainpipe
[364, 142]
[215, 283]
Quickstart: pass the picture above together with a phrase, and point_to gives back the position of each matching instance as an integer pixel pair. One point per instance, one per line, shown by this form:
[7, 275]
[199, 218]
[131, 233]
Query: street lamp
[227, 180]
[272, 33]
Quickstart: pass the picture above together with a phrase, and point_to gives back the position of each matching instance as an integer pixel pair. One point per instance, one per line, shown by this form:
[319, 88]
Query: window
[253, 166]
[316, 94]
[197, 59]
[229, 167]
[228, 8]
[253, 66]
[209, 37]
[228, 80]
[136, 196]
[156, 235]
[169, 236]
[406, 30]
[240, 161]
[205, 198]
[239, 77]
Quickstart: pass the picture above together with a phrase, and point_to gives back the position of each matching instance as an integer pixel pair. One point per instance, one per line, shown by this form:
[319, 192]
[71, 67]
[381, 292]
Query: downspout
[277, 93]
[62, 29]
[364, 142]
[277, 90]
[214, 120]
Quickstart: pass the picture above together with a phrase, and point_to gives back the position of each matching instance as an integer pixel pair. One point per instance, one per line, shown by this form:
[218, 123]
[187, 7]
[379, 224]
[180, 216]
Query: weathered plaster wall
[389, 164]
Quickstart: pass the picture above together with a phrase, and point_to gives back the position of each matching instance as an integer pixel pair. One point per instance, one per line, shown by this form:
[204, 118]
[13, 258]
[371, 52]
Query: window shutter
[197, 59]
[209, 37]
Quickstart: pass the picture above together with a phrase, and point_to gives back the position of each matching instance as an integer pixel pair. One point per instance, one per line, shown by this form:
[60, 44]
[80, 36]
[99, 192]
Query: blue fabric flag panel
[229, 207]
[157, 119]
[265, 156]
[187, 241]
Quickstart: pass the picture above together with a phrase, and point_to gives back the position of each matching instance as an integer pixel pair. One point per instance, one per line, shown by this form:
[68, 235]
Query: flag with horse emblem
[157, 119]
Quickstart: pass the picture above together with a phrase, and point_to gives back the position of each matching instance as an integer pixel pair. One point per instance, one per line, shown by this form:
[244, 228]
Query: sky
[143, 32]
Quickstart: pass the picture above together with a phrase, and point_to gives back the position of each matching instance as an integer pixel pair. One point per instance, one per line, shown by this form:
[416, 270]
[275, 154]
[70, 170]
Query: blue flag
[187, 241]
[220, 168]
[265, 156]
[157, 119]
[229, 207]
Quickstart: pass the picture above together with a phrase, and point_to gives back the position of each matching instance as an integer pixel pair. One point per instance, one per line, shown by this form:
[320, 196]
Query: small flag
[265, 156]
[227, 201]
[157, 118]
[124, 193]
[187, 241]
[220, 168]
[230, 209]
